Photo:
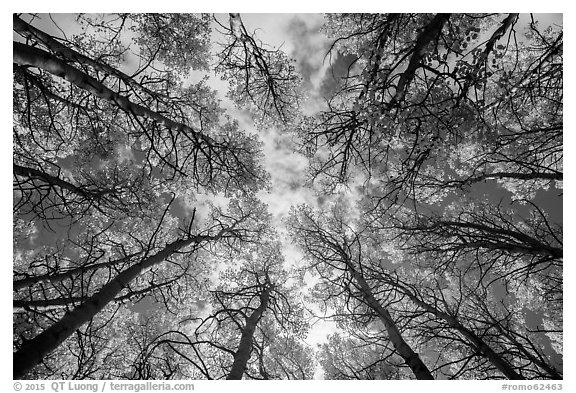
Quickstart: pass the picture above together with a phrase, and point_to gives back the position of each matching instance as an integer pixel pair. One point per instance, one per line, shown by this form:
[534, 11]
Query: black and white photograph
[274, 196]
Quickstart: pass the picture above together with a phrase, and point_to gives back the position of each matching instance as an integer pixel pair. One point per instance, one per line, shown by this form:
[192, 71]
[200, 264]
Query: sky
[298, 36]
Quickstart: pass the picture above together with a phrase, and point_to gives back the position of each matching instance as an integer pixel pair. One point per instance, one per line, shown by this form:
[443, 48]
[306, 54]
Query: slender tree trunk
[528, 242]
[549, 251]
[61, 302]
[476, 342]
[503, 175]
[499, 33]
[33, 351]
[46, 304]
[245, 348]
[33, 173]
[429, 33]
[539, 361]
[514, 175]
[69, 54]
[404, 350]
[26, 55]
[52, 304]
[71, 273]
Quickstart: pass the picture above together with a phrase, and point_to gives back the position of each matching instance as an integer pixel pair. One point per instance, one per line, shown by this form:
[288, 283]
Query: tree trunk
[33, 351]
[404, 350]
[245, 348]
[52, 304]
[527, 242]
[539, 361]
[515, 175]
[69, 54]
[476, 342]
[69, 274]
[26, 55]
[429, 33]
[46, 304]
[93, 195]
[33, 173]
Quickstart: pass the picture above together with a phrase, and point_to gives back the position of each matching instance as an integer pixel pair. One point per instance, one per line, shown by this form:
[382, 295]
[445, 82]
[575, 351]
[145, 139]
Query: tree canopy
[145, 145]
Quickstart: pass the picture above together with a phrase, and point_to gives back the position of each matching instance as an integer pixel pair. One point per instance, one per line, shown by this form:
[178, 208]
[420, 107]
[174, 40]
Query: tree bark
[242, 355]
[404, 350]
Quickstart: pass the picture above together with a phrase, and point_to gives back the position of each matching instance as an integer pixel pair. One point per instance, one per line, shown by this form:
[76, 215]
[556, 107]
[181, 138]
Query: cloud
[322, 72]
[333, 78]
[309, 48]
[287, 170]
